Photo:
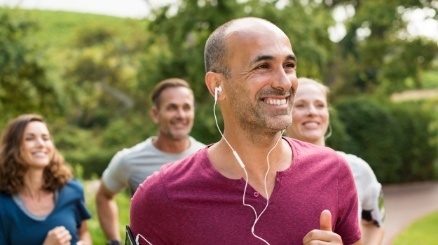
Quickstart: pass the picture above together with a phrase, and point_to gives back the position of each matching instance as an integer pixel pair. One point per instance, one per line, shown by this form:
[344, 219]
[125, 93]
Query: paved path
[406, 203]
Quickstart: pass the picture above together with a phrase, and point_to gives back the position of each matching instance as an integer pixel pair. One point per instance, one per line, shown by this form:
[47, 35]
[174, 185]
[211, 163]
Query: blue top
[17, 227]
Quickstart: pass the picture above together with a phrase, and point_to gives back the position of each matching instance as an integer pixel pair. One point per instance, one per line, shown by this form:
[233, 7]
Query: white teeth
[276, 102]
[311, 124]
[40, 153]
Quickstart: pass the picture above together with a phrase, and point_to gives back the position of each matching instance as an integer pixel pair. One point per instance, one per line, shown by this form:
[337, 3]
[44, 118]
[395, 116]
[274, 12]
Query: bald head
[241, 30]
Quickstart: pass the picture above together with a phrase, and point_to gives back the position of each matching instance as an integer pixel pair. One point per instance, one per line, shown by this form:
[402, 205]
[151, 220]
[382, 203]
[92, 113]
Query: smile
[276, 101]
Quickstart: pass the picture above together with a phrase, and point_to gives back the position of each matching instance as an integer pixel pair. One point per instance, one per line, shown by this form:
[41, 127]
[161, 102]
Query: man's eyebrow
[261, 58]
[270, 57]
[291, 57]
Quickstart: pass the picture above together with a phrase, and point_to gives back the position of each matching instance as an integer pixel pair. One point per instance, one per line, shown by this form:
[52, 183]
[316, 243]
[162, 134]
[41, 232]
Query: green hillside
[57, 29]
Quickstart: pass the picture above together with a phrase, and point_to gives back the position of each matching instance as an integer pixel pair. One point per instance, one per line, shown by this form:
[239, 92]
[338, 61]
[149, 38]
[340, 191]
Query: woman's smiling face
[36, 146]
[310, 116]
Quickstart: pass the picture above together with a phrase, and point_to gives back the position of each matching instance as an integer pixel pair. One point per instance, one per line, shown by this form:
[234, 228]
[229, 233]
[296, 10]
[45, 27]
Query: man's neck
[171, 145]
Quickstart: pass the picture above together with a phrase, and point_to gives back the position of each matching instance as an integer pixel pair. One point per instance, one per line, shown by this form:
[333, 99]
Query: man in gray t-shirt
[173, 112]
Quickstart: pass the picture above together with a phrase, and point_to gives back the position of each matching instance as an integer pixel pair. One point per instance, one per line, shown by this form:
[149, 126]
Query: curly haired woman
[40, 202]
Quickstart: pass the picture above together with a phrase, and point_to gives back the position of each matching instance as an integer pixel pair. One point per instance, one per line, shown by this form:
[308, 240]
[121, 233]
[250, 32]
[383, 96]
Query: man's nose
[181, 112]
[282, 81]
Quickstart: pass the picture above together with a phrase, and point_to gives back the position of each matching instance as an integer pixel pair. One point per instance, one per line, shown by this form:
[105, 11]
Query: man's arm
[108, 212]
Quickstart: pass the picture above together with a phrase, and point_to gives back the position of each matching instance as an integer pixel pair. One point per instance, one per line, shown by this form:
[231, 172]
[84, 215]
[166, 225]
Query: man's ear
[155, 114]
[213, 80]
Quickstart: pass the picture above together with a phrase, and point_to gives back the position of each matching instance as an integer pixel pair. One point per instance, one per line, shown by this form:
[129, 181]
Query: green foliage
[375, 133]
[430, 77]
[423, 230]
[399, 141]
[417, 148]
[384, 58]
[102, 71]
[81, 148]
[339, 138]
[23, 83]
[123, 201]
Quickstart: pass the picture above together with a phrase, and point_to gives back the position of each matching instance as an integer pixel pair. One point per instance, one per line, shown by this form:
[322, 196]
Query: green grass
[123, 201]
[423, 231]
[58, 29]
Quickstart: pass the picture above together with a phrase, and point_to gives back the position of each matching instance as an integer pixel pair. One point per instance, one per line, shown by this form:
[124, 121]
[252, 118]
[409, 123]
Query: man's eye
[291, 65]
[171, 108]
[262, 66]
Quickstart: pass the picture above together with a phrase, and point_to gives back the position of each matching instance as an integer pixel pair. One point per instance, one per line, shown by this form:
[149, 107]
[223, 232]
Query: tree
[102, 74]
[376, 55]
[24, 85]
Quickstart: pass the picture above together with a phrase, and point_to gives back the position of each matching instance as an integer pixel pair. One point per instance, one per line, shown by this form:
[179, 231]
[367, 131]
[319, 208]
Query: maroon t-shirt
[190, 202]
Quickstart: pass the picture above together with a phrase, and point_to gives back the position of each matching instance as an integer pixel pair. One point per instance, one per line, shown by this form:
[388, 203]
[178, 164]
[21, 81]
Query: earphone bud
[217, 90]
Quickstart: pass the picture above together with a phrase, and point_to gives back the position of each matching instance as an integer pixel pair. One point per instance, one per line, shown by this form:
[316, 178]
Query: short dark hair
[12, 165]
[215, 51]
[165, 84]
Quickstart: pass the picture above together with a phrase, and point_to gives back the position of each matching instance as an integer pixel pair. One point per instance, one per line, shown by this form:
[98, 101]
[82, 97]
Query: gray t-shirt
[130, 167]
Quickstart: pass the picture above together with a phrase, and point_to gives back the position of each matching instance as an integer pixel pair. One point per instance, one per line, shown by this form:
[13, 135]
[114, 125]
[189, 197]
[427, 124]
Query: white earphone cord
[246, 174]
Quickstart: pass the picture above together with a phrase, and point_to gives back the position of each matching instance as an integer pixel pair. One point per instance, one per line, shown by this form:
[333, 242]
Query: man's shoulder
[182, 172]
[195, 144]
[183, 168]
[139, 148]
[309, 148]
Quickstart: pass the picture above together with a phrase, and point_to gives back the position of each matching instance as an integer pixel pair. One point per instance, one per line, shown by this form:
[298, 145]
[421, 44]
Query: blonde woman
[310, 120]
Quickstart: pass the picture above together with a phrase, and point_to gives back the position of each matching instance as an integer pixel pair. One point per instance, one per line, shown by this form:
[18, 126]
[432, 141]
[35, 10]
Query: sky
[419, 24]
[119, 8]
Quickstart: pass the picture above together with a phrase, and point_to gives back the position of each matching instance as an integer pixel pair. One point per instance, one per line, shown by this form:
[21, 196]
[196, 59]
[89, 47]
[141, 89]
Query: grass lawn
[423, 231]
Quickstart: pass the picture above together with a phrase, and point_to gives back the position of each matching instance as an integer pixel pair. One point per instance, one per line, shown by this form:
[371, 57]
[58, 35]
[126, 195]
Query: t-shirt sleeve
[115, 176]
[347, 225]
[76, 192]
[82, 212]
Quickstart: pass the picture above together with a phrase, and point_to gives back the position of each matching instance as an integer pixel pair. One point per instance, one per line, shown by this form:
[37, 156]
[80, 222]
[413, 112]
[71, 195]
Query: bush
[375, 134]
[418, 146]
[339, 138]
[93, 149]
[399, 141]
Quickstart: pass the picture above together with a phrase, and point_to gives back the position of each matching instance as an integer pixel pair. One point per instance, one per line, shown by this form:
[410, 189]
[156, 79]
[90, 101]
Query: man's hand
[324, 235]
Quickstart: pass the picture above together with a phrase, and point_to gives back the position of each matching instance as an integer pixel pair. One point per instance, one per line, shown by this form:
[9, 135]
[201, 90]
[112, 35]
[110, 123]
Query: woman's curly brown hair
[12, 166]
